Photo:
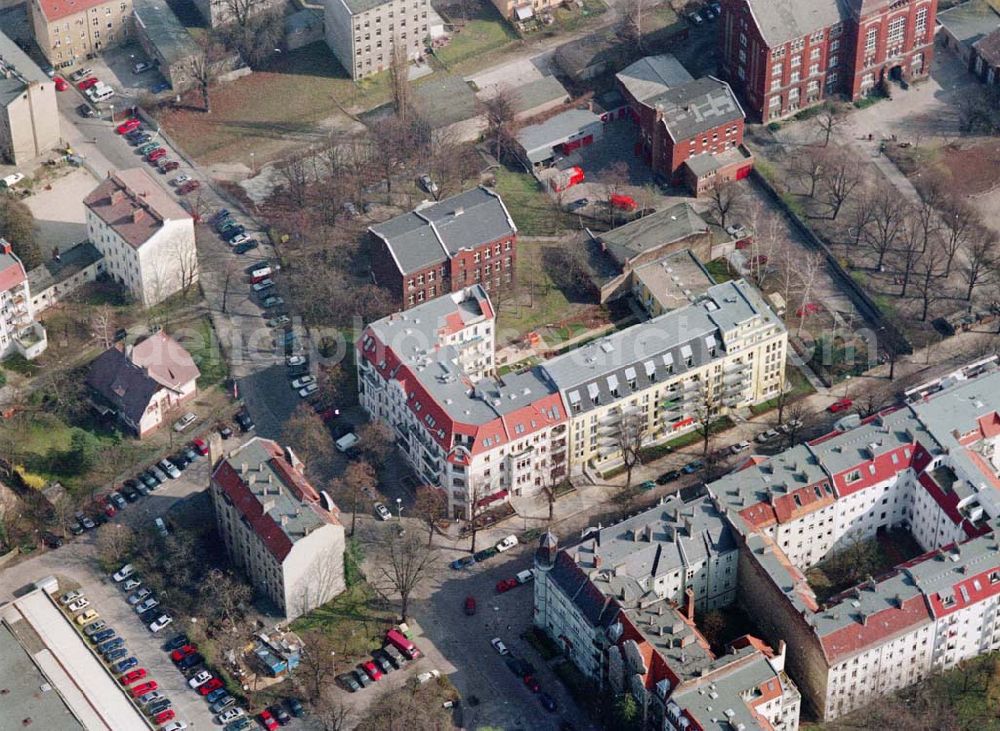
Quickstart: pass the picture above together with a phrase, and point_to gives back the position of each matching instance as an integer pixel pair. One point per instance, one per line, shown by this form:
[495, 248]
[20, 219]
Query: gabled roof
[269, 490]
[666, 226]
[166, 360]
[652, 75]
[781, 21]
[598, 609]
[134, 205]
[121, 383]
[433, 234]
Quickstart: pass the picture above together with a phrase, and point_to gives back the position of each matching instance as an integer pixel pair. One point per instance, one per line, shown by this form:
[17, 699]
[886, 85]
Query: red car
[127, 126]
[130, 677]
[167, 166]
[506, 585]
[372, 669]
[213, 684]
[470, 605]
[759, 260]
[181, 653]
[110, 510]
[156, 154]
[87, 83]
[143, 688]
[809, 308]
[840, 405]
[200, 447]
[164, 716]
[268, 720]
[188, 187]
[533, 685]
[61, 84]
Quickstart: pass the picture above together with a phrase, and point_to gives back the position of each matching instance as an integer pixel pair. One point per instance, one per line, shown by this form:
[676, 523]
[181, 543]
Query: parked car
[532, 682]
[394, 655]
[372, 670]
[269, 721]
[130, 494]
[146, 605]
[766, 436]
[79, 605]
[382, 512]
[523, 577]
[505, 585]
[668, 476]
[156, 154]
[361, 677]
[130, 584]
[263, 284]
[695, 18]
[499, 646]
[840, 405]
[115, 655]
[200, 447]
[163, 716]
[92, 629]
[244, 421]
[52, 540]
[87, 617]
[183, 651]
[461, 563]
[739, 447]
[80, 73]
[308, 390]
[241, 238]
[160, 622]
[429, 185]
[168, 166]
[246, 246]
[790, 425]
[149, 480]
[170, 468]
[147, 148]
[230, 715]
[348, 681]
[132, 676]
[87, 83]
[70, 596]
[507, 543]
[382, 662]
[694, 466]
[647, 486]
[548, 702]
[469, 607]
[139, 596]
[61, 84]
[85, 110]
[577, 204]
[191, 661]
[180, 179]
[128, 125]
[188, 187]
[127, 664]
[141, 66]
[212, 685]
[272, 301]
[200, 679]
[143, 688]
[85, 521]
[174, 726]
[279, 321]
[219, 703]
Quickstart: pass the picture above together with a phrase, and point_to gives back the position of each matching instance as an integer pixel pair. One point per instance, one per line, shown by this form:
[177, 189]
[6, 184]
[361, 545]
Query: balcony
[559, 445]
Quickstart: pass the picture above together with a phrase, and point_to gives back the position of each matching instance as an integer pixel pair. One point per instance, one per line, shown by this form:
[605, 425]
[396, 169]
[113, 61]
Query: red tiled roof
[12, 273]
[884, 469]
[57, 9]
[989, 425]
[802, 501]
[876, 628]
[134, 205]
[759, 515]
[977, 588]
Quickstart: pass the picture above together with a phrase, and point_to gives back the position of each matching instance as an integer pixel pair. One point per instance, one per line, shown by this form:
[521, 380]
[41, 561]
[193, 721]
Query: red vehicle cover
[624, 202]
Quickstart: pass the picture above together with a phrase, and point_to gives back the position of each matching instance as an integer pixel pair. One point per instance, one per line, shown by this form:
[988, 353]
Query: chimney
[597, 561]
[117, 196]
[138, 214]
[5, 247]
[649, 533]
[243, 468]
[458, 211]
[284, 520]
[689, 606]
[688, 527]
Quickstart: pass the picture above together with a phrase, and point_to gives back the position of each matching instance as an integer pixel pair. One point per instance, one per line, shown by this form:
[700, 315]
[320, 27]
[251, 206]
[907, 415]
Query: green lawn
[484, 33]
[533, 211]
[273, 109]
[200, 341]
[573, 18]
[356, 620]
[719, 269]
[548, 303]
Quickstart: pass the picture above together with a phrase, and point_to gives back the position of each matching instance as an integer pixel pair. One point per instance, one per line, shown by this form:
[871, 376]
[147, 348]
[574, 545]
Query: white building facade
[363, 33]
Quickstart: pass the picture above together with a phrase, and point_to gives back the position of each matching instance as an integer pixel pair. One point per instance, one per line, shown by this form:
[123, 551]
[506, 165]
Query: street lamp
[253, 167]
[399, 507]
[847, 385]
[112, 106]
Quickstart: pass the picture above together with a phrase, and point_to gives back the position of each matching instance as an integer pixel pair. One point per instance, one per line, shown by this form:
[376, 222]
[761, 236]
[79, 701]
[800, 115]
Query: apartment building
[691, 130]
[725, 351]
[19, 331]
[29, 119]
[146, 238]
[930, 465]
[363, 33]
[624, 632]
[428, 373]
[69, 32]
[283, 533]
[466, 240]
[784, 56]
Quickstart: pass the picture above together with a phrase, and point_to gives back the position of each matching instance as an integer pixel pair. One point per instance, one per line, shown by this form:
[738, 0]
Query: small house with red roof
[282, 532]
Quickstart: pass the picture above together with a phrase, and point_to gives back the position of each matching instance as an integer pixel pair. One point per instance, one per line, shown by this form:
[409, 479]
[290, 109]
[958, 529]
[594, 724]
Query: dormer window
[852, 476]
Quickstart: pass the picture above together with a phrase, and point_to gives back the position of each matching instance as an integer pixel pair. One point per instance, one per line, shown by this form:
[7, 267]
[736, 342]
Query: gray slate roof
[781, 21]
[70, 262]
[653, 75]
[433, 234]
[653, 351]
[167, 34]
[970, 22]
[657, 229]
[441, 101]
[598, 609]
[540, 91]
[696, 107]
[122, 384]
[537, 140]
[25, 71]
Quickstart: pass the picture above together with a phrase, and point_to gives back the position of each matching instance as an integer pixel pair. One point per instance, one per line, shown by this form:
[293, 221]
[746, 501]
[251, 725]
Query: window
[853, 476]
[897, 31]
[871, 37]
[921, 23]
[834, 45]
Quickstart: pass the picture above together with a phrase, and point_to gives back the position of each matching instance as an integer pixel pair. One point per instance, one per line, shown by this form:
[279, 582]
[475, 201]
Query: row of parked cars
[487, 553]
[233, 231]
[151, 149]
[526, 671]
[185, 656]
[395, 653]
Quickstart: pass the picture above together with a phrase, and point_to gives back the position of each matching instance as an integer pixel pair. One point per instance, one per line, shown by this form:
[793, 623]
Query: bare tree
[810, 166]
[616, 178]
[630, 431]
[629, 28]
[203, 72]
[980, 265]
[185, 256]
[227, 282]
[862, 215]
[725, 200]
[886, 224]
[840, 181]
[294, 173]
[114, 542]
[909, 252]
[399, 75]
[103, 323]
[349, 488]
[500, 112]
[239, 11]
[431, 506]
[317, 662]
[796, 412]
[808, 270]
[705, 410]
[225, 595]
[308, 435]
[332, 714]
[477, 508]
[407, 564]
[959, 223]
[828, 120]
[929, 270]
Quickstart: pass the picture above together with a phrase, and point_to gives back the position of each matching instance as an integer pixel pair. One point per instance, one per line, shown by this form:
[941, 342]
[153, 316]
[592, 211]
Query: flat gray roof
[539, 139]
[781, 21]
[657, 229]
[970, 21]
[441, 101]
[70, 262]
[24, 71]
[540, 91]
[697, 107]
[676, 280]
[170, 38]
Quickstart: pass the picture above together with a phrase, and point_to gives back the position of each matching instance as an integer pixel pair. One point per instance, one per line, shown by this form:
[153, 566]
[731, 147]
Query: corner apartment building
[625, 632]
[725, 351]
[69, 32]
[19, 331]
[784, 56]
[428, 373]
[463, 241]
[363, 33]
[284, 534]
[146, 238]
[691, 130]
[29, 120]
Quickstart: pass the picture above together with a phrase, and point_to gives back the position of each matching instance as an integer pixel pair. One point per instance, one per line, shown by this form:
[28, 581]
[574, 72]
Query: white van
[11, 180]
[100, 92]
[347, 441]
[161, 526]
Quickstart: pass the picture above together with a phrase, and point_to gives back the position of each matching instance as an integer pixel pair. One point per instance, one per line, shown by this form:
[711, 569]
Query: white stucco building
[277, 528]
[19, 331]
[362, 33]
[146, 238]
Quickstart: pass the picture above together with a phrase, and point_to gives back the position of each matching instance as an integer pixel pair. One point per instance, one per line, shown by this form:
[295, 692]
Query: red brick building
[467, 239]
[785, 55]
[690, 130]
